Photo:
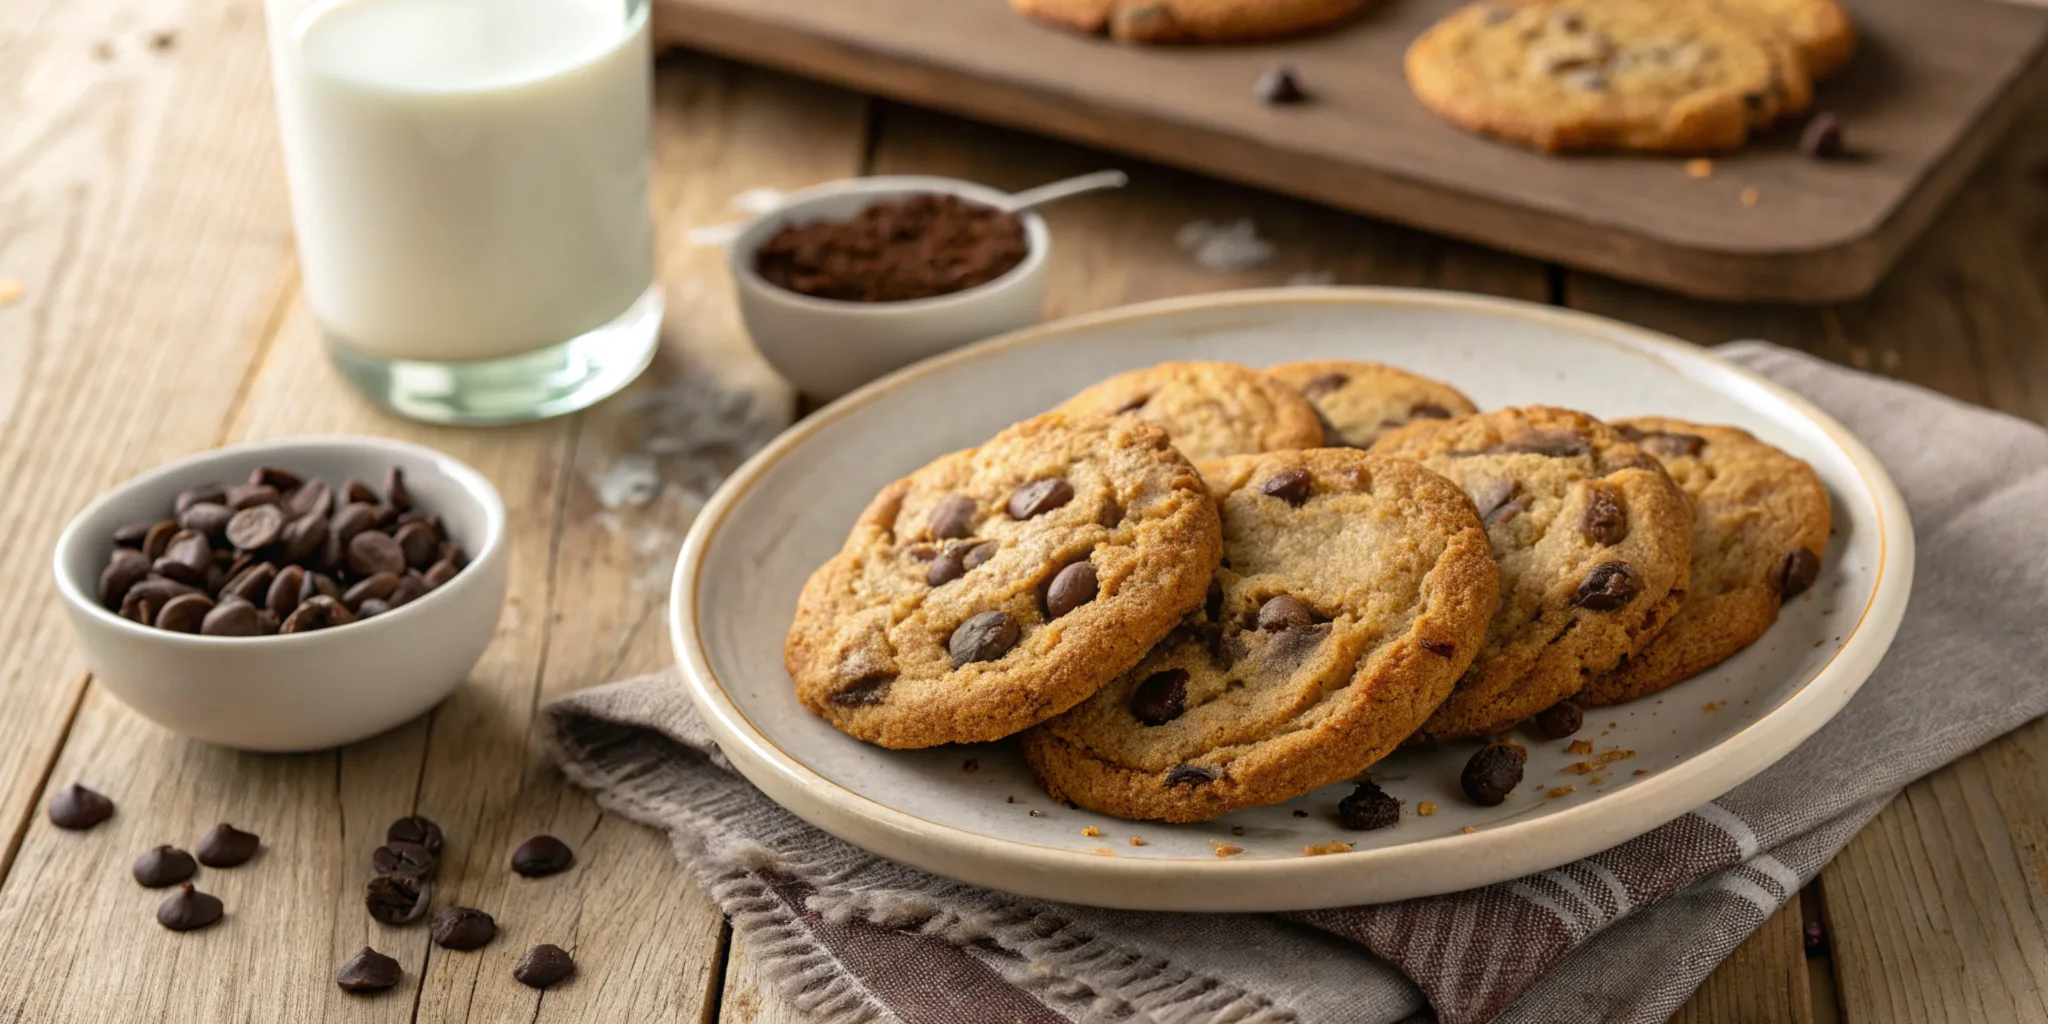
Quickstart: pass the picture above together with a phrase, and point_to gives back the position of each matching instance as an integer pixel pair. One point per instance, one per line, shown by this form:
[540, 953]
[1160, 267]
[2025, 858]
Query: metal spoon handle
[1032, 197]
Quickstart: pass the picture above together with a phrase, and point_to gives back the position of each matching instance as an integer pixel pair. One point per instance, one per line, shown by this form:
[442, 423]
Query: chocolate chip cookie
[1594, 543]
[1652, 75]
[1760, 523]
[1354, 590]
[1209, 409]
[1001, 585]
[1820, 30]
[1188, 21]
[1360, 401]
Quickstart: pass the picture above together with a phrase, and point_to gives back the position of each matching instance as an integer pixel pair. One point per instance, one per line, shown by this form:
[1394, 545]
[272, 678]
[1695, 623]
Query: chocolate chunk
[862, 693]
[1492, 773]
[979, 554]
[420, 542]
[1674, 446]
[142, 607]
[315, 495]
[412, 860]
[165, 865]
[953, 517]
[1284, 612]
[186, 559]
[279, 480]
[1289, 485]
[1556, 444]
[369, 971]
[1188, 775]
[233, 616]
[1557, 721]
[1429, 411]
[185, 613]
[438, 574]
[158, 540]
[188, 909]
[1822, 137]
[1212, 602]
[1604, 520]
[305, 536]
[370, 553]
[191, 496]
[1609, 586]
[542, 856]
[395, 494]
[396, 899]
[283, 598]
[1324, 384]
[543, 965]
[415, 829]
[1796, 572]
[317, 612]
[124, 570]
[354, 518]
[1439, 648]
[242, 496]
[208, 517]
[1278, 86]
[1039, 497]
[948, 566]
[1367, 808]
[354, 491]
[411, 587]
[1161, 698]
[227, 846]
[463, 928]
[983, 637]
[376, 587]
[1070, 588]
[251, 584]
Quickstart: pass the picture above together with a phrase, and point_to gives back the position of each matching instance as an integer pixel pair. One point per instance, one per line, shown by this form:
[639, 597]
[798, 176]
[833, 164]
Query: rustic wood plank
[750, 995]
[1764, 980]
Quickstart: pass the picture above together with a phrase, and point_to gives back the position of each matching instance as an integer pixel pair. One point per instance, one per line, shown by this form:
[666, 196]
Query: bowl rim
[473, 483]
[1507, 851]
[739, 251]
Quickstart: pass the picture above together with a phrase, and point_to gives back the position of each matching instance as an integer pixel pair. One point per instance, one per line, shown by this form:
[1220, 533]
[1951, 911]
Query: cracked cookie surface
[1360, 401]
[1760, 525]
[1594, 543]
[1000, 585]
[1354, 591]
[1209, 409]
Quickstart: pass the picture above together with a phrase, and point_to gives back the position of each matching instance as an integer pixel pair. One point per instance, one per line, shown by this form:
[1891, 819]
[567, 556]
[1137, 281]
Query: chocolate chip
[1604, 520]
[369, 971]
[862, 693]
[1440, 648]
[401, 858]
[251, 584]
[355, 491]
[1039, 497]
[1212, 602]
[191, 496]
[1822, 138]
[1070, 588]
[1278, 86]
[188, 909]
[979, 554]
[185, 613]
[396, 899]
[1609, 586]
[233, 616]
[1492, 773]
[420, 542]
[543, 965]
[983, 637]
[947, 566]
[411, 587]
[1284, 612]
[1796, 572]
[1367, 808]
[317, 612]
[1429, 411]
[283, 597]
[1324, 384]
[1558, 720]
[440, 573]
[1490, 496]
[158, 539]
[1289, 485]
[542, 856]
[186, 559]
[1674, 446]
[208, 517]
[1161, 698]
[1188, 775]
[1131, 405]
[227, 846]
[376, 587]
[395, 494]
[143, 607]
[1556, 444]
[370, 553]
[165, 865]
[953, 517]
[124, 570]
[280, 480]
[305, 536]
[315, 495]
[463, 928]
[242, 496]
[416, 829]
[354, 518]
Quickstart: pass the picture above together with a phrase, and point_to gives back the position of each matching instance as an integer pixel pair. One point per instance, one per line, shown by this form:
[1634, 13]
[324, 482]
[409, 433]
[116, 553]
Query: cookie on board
[1359, 401]
[1209, 409]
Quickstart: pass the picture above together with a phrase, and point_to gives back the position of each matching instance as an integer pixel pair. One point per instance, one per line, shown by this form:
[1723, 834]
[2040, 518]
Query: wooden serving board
[1934, 83]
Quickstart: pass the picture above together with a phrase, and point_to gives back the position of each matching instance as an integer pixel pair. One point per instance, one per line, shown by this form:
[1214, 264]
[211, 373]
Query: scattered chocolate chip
[369, 971]
[1324, 384]
[1161, 698]
[979, 554]
[1822, 137]
[1284, 612]
[1558, 720]
[1039, 497]
[165, 865]
[463, 928]
[1604, 520]
[416, 829]
[983, 637]
[543, 965]
[1609, 586]
[1278, 86]
[542, 856]
[949, 565]
[401, 858]
[185, 613]
[1289, 485]
[233, 616]
[1492, 773]
[1367, 808]
[396, 899]
[1070, 588]
[1188, 775]
[227, 846]
[1796, 572]
[953, 517]
[188, 909]
[1440, 648]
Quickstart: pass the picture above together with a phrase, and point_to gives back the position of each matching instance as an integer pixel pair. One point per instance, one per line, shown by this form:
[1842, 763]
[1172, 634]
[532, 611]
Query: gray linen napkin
[1625, 935]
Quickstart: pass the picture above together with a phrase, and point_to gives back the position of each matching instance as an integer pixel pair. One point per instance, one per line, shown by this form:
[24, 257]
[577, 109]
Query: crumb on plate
[1330, 847]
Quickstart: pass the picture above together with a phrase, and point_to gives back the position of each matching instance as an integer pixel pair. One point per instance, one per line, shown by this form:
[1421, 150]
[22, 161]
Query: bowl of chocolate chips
[287, 595]
[852, 279]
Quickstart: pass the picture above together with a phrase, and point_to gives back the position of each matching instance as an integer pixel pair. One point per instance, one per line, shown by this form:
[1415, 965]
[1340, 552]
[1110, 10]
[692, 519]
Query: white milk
[469, 177]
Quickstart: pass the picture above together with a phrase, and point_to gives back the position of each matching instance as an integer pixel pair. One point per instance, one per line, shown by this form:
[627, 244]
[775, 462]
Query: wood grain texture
[1764, 980]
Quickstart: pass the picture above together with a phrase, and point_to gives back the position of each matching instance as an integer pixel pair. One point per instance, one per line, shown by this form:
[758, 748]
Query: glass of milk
[469, 184]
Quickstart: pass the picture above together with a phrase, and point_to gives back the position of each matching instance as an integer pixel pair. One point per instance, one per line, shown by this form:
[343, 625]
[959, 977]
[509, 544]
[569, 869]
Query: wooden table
[142, 215]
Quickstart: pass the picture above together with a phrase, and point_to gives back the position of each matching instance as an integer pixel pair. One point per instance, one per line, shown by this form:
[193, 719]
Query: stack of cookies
[1199, 587]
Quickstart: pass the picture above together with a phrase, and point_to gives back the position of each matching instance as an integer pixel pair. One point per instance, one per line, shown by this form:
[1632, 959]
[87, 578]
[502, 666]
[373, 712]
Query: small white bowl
[301, 691]
[828, 347]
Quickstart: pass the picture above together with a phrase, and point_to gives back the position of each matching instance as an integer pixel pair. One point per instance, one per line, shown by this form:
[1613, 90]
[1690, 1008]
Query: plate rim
[1506, 851]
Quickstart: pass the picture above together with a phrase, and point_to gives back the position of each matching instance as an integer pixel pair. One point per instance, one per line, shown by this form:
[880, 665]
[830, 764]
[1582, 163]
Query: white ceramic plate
[973, 813]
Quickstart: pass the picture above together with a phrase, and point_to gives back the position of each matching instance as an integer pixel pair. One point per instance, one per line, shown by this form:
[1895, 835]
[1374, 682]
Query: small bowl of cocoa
[287, 595]
[852, 279]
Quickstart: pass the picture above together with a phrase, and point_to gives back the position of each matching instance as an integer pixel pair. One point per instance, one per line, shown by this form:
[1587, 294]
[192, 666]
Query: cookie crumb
[1467, 830]
[1595, 780]
[1579, 747]
[1237, 830]
[1091, 831]
[103, 50]
[163, 39]
[1598, 761]
[1301, 814]
[1749, 197]
[1712, 706]
[1100, 852]
[1224, 849]
[1036, 813]
[1699, 167]
[1425, 809]
[1330, 847]
[1009, 799]
[971, 766]
[1640, 771]
[1137, 841]
[1564, 790]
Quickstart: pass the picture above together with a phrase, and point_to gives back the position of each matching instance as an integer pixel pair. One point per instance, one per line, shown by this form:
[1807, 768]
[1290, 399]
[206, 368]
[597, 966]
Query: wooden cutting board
[1934, 83]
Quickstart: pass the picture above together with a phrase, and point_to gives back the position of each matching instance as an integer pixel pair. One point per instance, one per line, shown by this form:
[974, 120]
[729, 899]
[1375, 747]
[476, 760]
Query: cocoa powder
[917, 247]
